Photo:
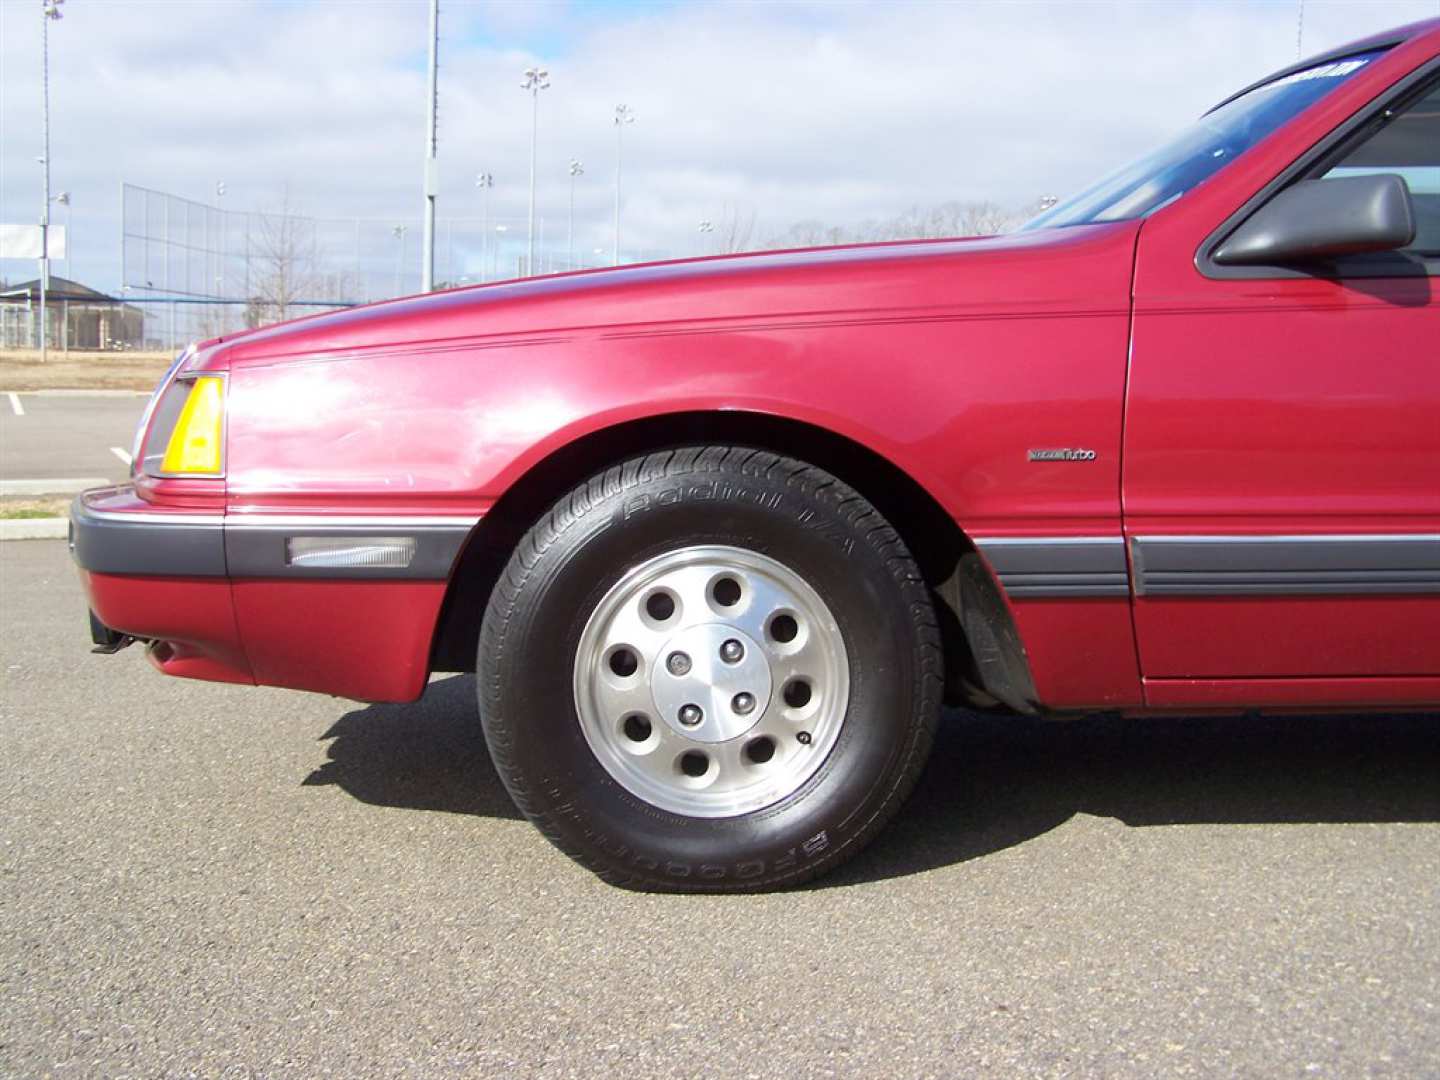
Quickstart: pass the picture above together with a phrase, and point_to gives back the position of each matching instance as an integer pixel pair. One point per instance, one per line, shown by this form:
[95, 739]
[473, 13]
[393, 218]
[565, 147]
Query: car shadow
[423, 755]
[993, 781]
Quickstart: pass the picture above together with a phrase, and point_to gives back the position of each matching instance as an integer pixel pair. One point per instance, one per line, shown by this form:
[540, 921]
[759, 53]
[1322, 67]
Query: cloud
[839, 112]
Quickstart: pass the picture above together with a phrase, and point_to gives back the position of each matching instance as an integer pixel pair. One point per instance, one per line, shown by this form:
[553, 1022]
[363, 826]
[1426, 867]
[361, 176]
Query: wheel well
[934, 539]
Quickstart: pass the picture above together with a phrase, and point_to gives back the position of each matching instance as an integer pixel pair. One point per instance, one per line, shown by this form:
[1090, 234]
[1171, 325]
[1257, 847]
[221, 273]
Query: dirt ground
[22, 370]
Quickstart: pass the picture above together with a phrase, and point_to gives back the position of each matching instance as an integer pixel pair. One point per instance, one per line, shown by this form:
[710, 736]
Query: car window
[1203, 149]
[1409, 146]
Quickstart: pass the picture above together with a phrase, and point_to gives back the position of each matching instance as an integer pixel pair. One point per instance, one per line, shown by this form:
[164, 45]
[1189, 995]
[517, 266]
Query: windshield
[1203, 149]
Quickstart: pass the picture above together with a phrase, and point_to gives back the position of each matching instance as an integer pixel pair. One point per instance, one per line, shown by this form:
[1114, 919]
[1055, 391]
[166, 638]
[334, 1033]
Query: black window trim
[1412, 87]
[1379, 43]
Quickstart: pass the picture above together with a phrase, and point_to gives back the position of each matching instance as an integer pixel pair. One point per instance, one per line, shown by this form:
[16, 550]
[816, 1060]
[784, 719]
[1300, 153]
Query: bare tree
[286, 255]
[735, 230]
[985, 219]
[918, 223]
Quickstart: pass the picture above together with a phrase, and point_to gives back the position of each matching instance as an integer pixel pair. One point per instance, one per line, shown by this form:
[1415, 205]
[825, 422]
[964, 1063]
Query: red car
[719, 536]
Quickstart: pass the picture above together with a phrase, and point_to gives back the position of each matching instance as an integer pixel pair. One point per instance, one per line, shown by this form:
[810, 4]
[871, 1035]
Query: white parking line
[15, 404]
[121, 454]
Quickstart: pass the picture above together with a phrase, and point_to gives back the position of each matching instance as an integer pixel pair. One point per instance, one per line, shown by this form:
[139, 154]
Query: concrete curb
[35, 529]
[78, 391]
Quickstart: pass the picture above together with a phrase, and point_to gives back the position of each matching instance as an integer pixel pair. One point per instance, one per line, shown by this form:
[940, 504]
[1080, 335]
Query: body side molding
[1286, 565]
[1058, 566]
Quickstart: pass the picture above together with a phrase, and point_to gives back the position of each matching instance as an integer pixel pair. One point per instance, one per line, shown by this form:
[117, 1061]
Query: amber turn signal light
[195, 444]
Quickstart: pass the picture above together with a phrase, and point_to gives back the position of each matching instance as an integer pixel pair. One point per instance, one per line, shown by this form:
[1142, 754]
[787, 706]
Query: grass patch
[26, 509]
[21, 369]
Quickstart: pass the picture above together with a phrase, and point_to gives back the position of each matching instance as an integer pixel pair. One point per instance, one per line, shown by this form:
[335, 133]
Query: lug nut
[677, 663]
[743, 703]
[804, 738]
[732, 651]
[690, 715]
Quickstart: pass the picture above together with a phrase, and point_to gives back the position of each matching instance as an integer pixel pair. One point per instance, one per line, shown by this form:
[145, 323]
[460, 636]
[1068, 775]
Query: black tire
[782, 508]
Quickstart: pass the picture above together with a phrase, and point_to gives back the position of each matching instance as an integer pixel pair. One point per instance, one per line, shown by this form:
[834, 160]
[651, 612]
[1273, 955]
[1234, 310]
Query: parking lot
[212, 880]
[67, 434]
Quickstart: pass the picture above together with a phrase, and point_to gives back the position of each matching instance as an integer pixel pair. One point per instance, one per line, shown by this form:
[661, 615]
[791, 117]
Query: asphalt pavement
[229, 881]
[68, 434]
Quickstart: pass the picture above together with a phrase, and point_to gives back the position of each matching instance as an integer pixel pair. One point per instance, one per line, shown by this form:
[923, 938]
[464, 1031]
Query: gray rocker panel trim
[1286, 565]
[252, 546]
[1059, 566]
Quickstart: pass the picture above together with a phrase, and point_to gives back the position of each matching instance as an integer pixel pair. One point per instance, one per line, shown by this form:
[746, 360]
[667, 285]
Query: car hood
[1011, 274]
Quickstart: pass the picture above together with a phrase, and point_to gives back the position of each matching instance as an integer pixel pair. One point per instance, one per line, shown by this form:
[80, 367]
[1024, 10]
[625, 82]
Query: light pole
[623, 115]
[577, 168]
[705, 227]
[500, 231]
[536, 79]
[399, 233]
[220, 270]
[427, 260]
[51, 12]
[484, 181]
[63, 199]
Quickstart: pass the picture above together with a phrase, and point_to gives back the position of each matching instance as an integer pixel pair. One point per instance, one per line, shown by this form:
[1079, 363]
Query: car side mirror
[1323, 219]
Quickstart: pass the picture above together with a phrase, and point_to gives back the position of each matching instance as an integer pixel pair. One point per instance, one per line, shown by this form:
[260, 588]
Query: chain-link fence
[198, 270]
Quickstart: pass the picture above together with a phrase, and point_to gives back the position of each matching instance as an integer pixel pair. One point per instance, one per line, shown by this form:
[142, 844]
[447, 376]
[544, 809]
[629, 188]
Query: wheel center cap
[701, 668]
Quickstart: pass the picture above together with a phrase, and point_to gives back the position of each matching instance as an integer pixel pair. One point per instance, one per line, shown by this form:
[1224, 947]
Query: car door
[1281, 478]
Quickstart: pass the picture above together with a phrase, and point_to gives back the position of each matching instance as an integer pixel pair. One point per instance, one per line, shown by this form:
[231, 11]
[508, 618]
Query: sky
[828, 111]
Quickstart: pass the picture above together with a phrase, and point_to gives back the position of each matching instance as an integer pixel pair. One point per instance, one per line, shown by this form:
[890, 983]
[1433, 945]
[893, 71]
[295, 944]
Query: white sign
[23, 241]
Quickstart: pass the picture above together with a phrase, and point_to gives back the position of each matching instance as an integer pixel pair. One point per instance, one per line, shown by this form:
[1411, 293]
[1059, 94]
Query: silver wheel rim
[711, 681]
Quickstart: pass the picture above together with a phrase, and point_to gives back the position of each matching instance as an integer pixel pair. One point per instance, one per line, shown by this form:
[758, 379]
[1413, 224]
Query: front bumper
[158, 577]
[224, 597]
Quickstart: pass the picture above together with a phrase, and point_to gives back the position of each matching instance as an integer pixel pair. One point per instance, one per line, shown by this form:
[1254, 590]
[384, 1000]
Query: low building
[78, 317]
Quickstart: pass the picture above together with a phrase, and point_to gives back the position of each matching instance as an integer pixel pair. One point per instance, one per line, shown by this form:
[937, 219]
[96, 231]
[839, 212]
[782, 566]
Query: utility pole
[623, 115]
[427, 265]
[536, 79]
[52, 12]
[577, 168]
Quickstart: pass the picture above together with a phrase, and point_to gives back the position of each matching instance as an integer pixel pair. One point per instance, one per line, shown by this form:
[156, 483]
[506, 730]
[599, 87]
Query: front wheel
[710, 669]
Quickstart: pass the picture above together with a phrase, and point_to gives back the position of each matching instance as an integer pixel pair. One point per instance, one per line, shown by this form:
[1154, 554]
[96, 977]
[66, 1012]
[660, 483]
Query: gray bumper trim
[1059, 566]
[252, 545]
[172, 545]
